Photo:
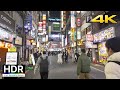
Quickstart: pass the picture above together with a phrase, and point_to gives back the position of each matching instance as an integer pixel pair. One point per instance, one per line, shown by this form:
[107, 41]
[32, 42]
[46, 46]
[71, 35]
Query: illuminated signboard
[104, 35]
[6, 22]
[39, 26]
[56, 27]
[44, 16]
[18, 40]
[4, 35]
[54, 19]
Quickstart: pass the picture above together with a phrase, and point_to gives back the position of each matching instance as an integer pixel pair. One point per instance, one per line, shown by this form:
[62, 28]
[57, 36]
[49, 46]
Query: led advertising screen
[55, 37]
[56, 26]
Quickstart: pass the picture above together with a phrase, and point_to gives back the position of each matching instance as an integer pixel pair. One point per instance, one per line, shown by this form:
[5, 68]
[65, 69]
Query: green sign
[56, 27]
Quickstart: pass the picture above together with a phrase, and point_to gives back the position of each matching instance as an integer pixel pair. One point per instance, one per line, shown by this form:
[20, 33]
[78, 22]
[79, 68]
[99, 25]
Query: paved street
[68, 71]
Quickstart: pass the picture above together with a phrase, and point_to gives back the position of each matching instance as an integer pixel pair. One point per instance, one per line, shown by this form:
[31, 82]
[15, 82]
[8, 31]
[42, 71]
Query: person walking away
[63, 56]
[76, 56]
[73, 57]
[112, 67]
[60, 58]
[43, 65]
[83, 66]
[89, 55]
[66, 56]
[35, 56]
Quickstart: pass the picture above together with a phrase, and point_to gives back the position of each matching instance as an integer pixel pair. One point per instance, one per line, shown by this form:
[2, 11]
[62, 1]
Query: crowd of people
[83, 61]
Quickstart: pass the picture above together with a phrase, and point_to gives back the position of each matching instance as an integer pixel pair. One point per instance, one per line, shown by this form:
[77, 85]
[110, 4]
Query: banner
[28, 22]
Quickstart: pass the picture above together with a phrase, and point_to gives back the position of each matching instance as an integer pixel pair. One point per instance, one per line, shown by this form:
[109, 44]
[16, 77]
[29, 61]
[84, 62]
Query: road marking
[97, 69]
[92, 77]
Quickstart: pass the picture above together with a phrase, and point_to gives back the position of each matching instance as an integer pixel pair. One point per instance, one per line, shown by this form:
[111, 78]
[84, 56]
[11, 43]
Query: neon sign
[54, 19]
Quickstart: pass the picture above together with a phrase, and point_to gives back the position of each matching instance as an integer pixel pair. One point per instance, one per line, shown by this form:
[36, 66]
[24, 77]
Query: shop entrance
[3, 52]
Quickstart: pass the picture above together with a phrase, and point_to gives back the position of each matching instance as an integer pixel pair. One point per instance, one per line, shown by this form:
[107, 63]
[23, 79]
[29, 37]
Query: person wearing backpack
[112, 67]
[43, 66]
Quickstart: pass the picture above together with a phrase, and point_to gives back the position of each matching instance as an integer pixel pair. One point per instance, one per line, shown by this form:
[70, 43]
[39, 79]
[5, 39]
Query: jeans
[44, 75]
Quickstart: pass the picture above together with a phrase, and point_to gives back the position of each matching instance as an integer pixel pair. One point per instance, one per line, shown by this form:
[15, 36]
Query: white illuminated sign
[52, 19]
[104, 35]
[72, 20]
[11, 58]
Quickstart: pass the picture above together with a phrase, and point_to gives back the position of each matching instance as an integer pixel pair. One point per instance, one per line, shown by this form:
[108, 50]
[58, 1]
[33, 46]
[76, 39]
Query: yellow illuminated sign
[12, 49]
[72, 30]
[80, 42]
[99, 19]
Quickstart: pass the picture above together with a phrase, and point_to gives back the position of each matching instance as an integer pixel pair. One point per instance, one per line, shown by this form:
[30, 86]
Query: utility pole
[24, 37]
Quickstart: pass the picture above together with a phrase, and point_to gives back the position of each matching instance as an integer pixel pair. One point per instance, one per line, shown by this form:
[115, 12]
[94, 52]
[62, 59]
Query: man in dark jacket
[36, 56]
[83, 66]
[43, 65]
[66, 56]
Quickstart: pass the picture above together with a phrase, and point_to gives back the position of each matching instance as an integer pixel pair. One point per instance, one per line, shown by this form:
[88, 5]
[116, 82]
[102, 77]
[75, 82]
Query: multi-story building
[7, 34]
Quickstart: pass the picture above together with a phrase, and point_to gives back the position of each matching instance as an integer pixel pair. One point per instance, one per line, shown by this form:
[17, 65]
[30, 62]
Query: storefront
[4, 48]
[18, 45]
[7, 28]
[100, 38]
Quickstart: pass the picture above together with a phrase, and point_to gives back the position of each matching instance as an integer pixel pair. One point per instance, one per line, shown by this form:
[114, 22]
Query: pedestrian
[63, 56]
[83, 66]
[76, 56]
[66, 56]
[89, 55]
[35, 56]
[43, 66]
[112, 67]
[73, 57]
[60, 61]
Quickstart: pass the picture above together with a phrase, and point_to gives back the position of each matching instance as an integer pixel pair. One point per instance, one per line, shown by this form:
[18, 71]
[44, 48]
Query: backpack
[117, 62]
[44, 65]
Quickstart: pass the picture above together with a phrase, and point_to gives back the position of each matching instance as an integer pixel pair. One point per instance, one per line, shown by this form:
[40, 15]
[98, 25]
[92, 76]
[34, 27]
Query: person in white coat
[73, 57]
[60, 61]
[112, 67]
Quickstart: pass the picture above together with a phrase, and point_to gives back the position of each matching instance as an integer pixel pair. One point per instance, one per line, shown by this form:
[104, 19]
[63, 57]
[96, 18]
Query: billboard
[104, 35]
[55, 37]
